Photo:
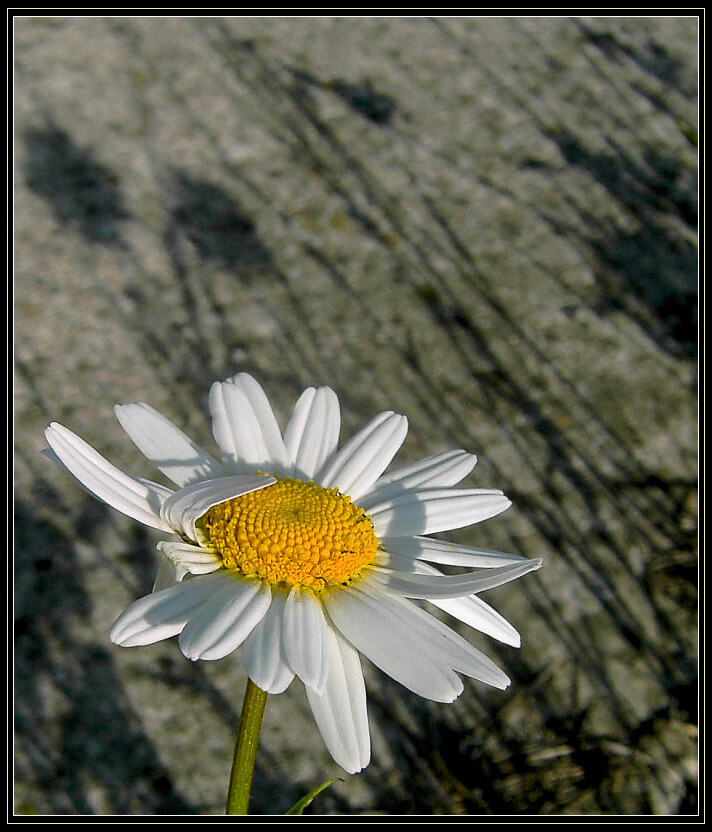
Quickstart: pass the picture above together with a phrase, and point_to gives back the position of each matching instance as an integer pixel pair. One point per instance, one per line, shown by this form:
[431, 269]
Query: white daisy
[306, 555]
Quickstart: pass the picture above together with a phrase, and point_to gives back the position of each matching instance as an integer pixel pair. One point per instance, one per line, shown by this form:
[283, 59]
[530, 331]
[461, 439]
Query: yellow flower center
[293, 532]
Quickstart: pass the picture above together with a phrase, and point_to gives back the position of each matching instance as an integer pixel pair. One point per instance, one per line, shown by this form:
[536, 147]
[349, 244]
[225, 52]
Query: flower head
[306, 554]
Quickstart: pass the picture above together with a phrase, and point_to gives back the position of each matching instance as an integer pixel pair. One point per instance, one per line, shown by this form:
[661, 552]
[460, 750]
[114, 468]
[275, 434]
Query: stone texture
[486, 223]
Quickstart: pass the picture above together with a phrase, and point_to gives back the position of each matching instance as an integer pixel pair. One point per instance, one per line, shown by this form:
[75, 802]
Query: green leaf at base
[302, 804]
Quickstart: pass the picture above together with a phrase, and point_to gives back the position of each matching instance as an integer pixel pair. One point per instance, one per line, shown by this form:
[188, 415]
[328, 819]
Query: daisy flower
[306, 554]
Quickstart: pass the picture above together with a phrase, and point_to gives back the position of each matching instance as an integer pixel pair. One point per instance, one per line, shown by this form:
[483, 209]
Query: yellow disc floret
[293, 533]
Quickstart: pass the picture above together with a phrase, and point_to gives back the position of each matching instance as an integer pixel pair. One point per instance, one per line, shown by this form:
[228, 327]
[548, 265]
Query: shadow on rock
[81, 192]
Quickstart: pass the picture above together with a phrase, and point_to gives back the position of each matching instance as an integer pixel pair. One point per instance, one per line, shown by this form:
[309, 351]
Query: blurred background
[486, 223]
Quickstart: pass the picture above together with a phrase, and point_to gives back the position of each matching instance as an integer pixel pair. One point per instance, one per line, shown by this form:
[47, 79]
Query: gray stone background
[486, 223]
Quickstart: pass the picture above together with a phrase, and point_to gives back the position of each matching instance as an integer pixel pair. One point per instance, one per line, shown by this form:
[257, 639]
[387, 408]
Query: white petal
[168, 574]
[452, 586]
[340, 712]
[312, 434]
[182, 509]
[163, 614]
[441, 551]
[236, 429]
[263, 654]
[223, 428]
[136, 498]
[194, 559]
[474, 612]
[393, 646]
[245, 428]
[168, 448]
[435, 510]
[366, 456]
[438, 471]
[162, 492]
[226, 619]
[408, 644]
[305, 638]
[261, 407]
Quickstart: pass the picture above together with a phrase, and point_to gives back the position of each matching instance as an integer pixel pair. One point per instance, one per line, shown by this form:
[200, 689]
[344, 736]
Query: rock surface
[486, 223]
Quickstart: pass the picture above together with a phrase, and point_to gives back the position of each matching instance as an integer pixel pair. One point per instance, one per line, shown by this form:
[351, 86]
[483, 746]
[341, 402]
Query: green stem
[243, 762]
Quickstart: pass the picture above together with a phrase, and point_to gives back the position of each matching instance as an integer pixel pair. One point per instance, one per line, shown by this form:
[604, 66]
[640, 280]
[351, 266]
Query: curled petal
[181, 510]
